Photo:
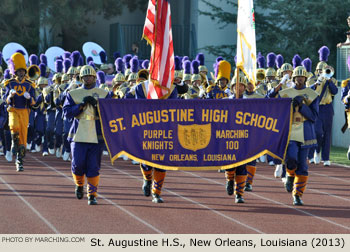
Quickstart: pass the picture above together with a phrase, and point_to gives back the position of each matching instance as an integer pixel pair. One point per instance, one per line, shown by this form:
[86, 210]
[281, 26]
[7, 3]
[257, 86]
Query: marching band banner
[196, 134]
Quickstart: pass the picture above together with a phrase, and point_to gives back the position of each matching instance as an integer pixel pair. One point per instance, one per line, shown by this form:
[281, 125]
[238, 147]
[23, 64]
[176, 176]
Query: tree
[289, 27]
[20, 21]
[70, 18]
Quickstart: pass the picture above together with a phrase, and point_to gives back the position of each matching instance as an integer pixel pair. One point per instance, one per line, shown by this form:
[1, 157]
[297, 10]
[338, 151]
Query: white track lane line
[276, 202]
[310, 189]
[192, 201]
[103, 197]
[323, 175]
[49, 224]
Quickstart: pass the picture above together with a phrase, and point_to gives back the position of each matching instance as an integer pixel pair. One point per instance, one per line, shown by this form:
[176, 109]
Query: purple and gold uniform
[149, 172]
[85, 135]
[345, 95]
[19, 96]
[236, 177]
[326, 87]
[303, 136]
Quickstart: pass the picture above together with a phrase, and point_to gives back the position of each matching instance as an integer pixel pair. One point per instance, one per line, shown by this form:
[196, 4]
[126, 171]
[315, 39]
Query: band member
[85, 134]
[19, 96]
[345, 97]
[186, 78]
[41, 112]
[303, 136]
[33, 60]
[181, 87]
[4, 130]
[104, 66]
[203, 71]
[195, 91]
[221, 89]
[326, 87]
[153, 178]
[57, 79]
[279, 63]
[251, 166]
[261, 86]
[119, 78]
[235, 177]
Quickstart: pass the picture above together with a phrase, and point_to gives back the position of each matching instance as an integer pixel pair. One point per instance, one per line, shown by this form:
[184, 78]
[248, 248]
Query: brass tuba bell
[33, 72]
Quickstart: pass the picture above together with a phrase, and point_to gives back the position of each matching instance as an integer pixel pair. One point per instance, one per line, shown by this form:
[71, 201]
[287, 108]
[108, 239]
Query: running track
[41, 200]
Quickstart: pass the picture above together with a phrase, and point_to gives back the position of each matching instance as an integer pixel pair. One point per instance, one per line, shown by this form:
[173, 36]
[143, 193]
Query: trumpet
[33, 72]
[260, 74]
[328, 72]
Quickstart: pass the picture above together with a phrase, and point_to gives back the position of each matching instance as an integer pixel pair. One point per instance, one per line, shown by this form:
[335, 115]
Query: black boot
[92, 200]
[229, 187]
[248, 187]
[239, 198]
[146, 187]
[79, 192]
[289, 184]
[297, 201]
[19, 164]
[156, 198]
[21, 153]
[14, 143]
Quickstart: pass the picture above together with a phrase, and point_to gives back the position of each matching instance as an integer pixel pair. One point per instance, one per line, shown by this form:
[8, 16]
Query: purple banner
[196, 134]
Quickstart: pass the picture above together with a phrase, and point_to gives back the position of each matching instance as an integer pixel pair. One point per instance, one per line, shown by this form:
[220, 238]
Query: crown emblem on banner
[194, 137]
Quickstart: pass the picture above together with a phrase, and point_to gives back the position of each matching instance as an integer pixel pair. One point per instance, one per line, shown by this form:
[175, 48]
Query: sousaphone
[52, 54]
[11, 48]
[93, 50]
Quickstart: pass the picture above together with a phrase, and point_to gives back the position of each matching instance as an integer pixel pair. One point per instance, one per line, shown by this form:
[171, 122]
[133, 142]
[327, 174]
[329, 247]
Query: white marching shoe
[105, 153]
[311, 161]
[45, 153]
[271, 163]
[8, 156]
[125, 158]
[135, 162]
[66, 156]
[28, 146]
[52, 151]
[327, 163]
[37, 148]
[278, 171]
[58, 152]
[263, 159]
[317, 157]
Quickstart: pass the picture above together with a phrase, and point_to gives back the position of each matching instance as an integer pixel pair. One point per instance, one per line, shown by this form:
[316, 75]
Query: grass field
[338, 155]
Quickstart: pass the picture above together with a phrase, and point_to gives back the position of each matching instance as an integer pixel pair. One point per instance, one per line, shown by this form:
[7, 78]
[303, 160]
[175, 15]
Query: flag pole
[237, 80]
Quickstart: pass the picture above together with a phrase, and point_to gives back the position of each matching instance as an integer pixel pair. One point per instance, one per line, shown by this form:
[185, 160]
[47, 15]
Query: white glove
[320, 79]
[228, 92]
[285, 78]
[26, 95]
[12, 93]
[201, 92]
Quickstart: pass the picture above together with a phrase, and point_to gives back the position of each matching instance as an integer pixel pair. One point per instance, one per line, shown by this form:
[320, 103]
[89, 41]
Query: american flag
[157, 31]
